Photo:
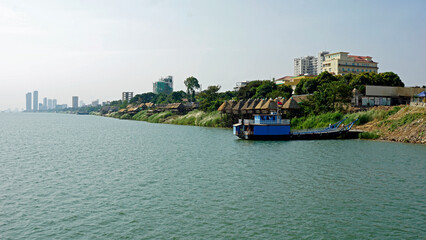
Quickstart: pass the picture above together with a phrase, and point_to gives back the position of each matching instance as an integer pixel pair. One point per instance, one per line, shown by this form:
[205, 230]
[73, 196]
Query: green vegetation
[200, 118]
[406, 119]
[191, 84]
[368, 135]
[316, 121]
[264, 89]
[332, 93]
[322, 120]
[195, 118]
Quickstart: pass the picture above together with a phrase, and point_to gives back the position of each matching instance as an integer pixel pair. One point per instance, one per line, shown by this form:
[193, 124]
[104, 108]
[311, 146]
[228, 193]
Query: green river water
[87, 177]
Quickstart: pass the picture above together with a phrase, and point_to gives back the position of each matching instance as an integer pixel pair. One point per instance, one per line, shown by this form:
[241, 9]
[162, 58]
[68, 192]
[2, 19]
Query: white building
[309, 65]
[321, 59]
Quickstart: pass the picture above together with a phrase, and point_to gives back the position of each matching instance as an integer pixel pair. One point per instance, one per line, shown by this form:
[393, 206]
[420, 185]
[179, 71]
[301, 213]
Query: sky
[96, 49]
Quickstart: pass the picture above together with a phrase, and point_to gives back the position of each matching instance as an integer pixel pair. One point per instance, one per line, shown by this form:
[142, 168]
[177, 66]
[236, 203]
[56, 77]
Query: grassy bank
[194, 118]
[399, 123]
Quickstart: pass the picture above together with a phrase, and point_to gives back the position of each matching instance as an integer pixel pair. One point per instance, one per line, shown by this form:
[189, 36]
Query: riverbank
[193, 118]
[399, 123]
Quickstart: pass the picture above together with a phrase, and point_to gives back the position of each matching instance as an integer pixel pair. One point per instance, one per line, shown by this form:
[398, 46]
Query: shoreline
[403, 124]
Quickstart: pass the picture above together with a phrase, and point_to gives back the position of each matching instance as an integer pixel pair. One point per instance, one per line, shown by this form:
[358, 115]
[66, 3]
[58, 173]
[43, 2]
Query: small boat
[273, 127]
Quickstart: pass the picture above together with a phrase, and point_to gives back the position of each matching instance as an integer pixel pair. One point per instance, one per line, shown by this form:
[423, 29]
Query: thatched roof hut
[237, 108]
[150, 104]
[291, 104]
[258, 108]
[175, 107]
[223, 107]
[269, 106]
[244, 108]
[230, 106]
[251, 108]
[301, 98]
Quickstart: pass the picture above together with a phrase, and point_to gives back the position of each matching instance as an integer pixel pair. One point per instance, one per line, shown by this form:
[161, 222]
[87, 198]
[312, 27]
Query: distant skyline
[96, 49]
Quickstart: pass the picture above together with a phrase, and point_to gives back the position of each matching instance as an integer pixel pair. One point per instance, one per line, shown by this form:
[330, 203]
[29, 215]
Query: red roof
[361, 58]
[285, 78]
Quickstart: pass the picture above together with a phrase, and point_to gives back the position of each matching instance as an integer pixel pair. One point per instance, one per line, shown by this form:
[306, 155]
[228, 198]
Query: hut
[142, 106]
[291, 106]
[150, 105]
[223, 107]
[133, 110]
[269, 106]
[252, 107]
[236, 110]
[244, 108]
[124, 110]
[258, 108]
[176, 107]
[230, 106]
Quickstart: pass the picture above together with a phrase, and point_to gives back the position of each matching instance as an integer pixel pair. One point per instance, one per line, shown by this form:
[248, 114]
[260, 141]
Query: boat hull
[291, 136]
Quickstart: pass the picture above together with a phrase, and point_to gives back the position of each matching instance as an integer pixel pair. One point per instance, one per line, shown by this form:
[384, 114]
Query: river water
[86, 177]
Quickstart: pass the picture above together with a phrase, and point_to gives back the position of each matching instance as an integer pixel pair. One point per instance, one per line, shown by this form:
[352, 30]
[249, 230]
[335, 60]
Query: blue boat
[273, 127]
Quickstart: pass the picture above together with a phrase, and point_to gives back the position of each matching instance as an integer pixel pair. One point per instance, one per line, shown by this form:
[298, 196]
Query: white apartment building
[309, 65]
[305, 65]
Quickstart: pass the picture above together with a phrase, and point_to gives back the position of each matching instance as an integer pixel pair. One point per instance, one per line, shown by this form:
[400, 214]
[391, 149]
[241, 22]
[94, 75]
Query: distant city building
[61, 106]
[45, 103]
[28, 106]
[54, 103]
[75, 102]
[164, 85]
[342, 63]
[40, 106]
[49, 104]
[35, 101]
[126, 96]
[309, 65]
[95, 103]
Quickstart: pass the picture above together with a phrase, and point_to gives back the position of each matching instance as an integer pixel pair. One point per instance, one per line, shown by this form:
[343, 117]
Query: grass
[368, 135]
[406, 119]
[194, 118]
[316, 121]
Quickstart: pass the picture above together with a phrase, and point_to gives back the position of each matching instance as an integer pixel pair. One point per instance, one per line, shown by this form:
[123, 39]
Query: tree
[282, 90]
[191, 84]
[249, 90]
[264, 89]
[209, 98]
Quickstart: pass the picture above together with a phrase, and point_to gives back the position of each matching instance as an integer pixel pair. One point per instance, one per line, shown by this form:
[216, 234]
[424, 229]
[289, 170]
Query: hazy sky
[97, 49]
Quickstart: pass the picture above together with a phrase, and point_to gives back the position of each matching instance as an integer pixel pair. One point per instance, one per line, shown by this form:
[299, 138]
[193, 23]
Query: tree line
[327, 92]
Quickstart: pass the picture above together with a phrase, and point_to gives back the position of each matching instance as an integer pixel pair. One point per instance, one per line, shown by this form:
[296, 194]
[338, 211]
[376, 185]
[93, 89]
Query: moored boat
[273, 127]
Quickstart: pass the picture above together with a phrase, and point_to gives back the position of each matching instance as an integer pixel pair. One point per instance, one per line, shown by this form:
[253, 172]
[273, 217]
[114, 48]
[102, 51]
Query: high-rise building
[28, 106]
[54, 103]
[164, 85]
[321, 59]
[45, 103]
[49, 104]
[342, 63]
[75, 102]
[305, 66]
[126, 96]
[309, 65]
[40, 106]
[35, 101]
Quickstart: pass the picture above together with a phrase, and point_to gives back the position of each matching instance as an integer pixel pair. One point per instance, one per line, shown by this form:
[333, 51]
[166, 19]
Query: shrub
[368, 135]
